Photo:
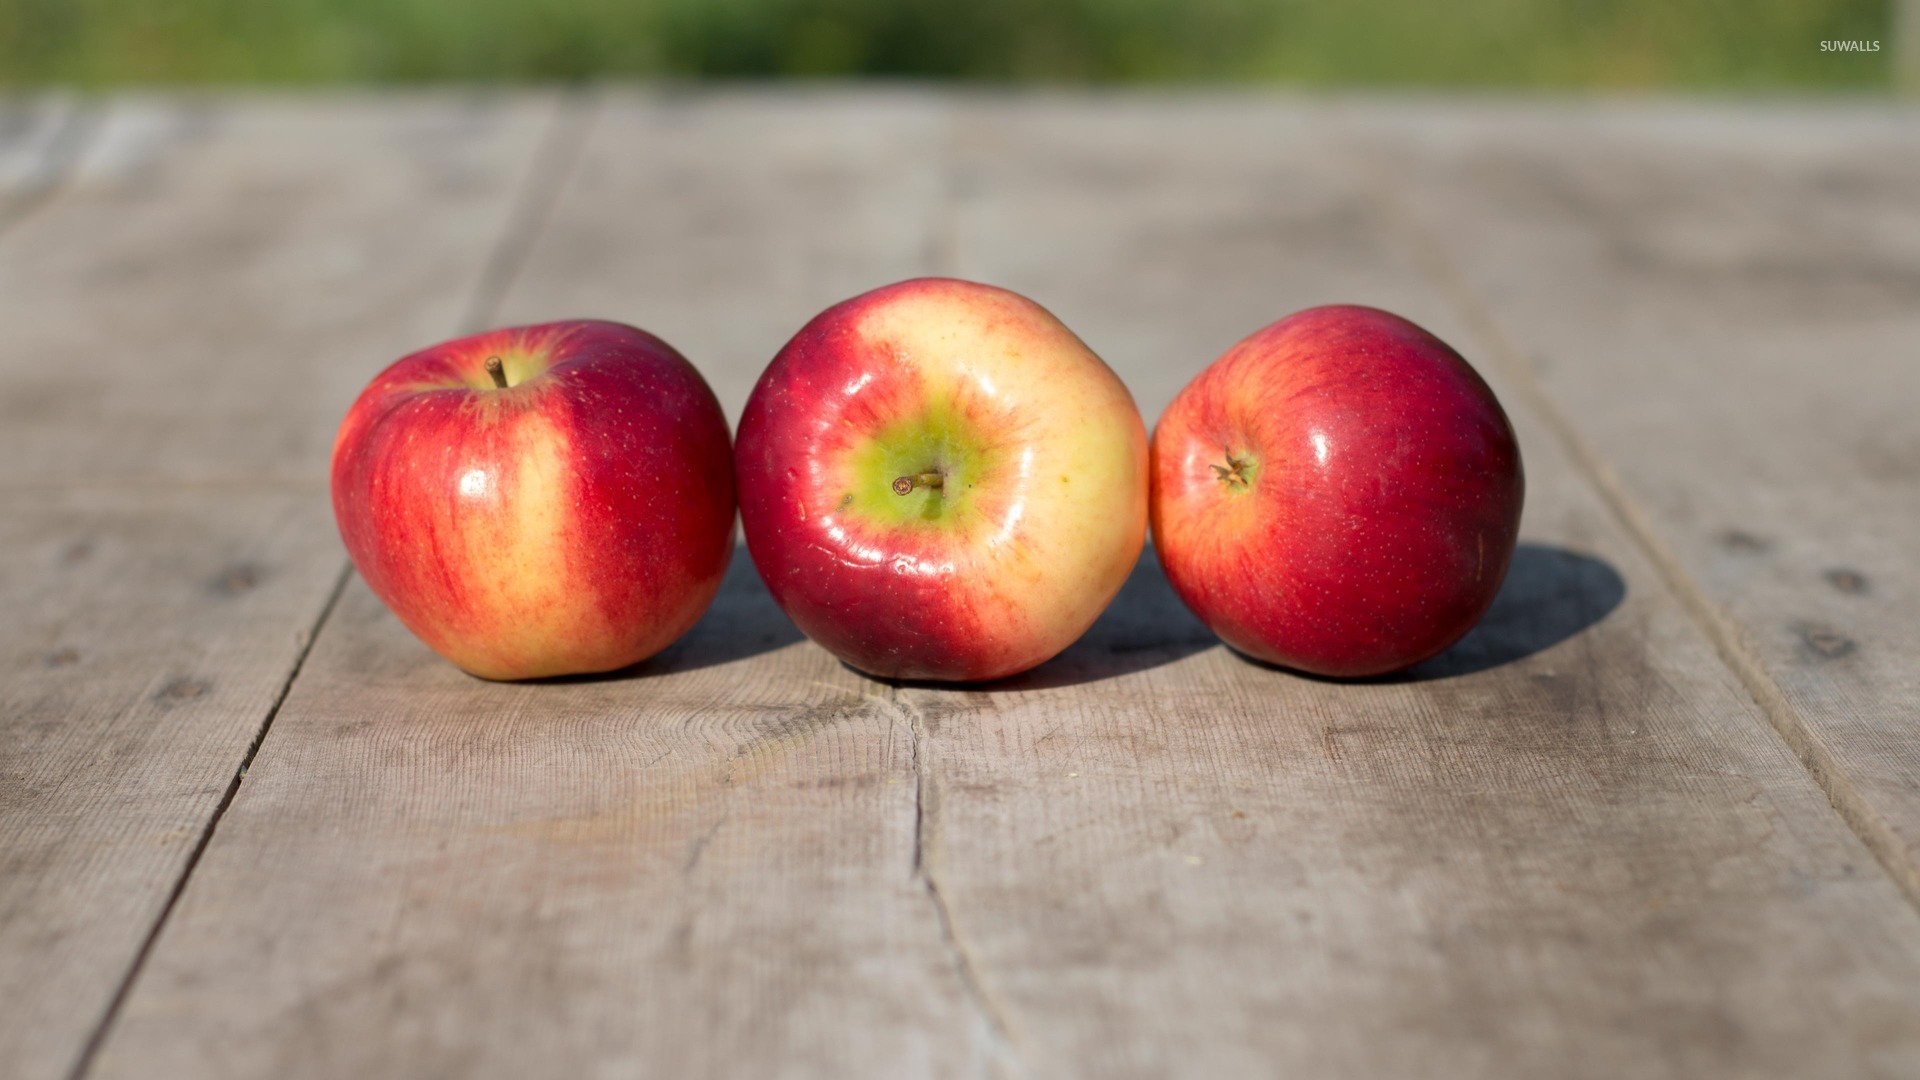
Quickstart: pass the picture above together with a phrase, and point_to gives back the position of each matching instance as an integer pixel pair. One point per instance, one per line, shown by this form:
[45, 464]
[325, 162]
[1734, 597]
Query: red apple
[939, 481]
[1340, 493]
[543, 500]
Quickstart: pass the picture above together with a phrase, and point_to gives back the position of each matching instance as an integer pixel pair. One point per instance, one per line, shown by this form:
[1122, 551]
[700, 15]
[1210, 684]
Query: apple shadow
[1550, 595]
[743, 622]
[1144, 627]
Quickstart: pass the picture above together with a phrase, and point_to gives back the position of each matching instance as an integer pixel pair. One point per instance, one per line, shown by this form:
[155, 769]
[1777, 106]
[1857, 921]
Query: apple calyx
[905, 484]
[498, 370]
[1236, 473]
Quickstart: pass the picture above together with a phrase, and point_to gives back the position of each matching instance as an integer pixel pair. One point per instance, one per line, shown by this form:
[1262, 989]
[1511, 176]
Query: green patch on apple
[922, 469]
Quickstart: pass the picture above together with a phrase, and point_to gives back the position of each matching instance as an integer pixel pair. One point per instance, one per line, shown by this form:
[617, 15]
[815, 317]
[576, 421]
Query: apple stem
[1233, 474]
[906, 484]
[498, 370]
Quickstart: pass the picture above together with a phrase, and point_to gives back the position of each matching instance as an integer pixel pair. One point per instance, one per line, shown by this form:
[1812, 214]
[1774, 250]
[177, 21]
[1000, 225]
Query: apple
[541, 500]
[939, 481]
[1339, 493]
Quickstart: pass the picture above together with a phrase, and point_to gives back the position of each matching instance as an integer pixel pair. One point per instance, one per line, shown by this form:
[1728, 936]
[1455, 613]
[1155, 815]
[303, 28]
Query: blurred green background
[1715, 45]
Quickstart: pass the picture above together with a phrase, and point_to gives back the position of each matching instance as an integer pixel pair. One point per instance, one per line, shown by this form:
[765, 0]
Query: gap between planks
[1002, 1042]
[553, 162]
[1431, 258]
[99, 1036]
[940, 258]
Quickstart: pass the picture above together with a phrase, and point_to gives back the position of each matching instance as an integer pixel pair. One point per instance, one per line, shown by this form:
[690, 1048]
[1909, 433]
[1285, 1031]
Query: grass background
[1713, 45]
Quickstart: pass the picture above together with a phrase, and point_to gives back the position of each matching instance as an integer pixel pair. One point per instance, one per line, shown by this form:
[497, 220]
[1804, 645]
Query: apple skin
[1041, 515]
[578, 521]
[1380, 503]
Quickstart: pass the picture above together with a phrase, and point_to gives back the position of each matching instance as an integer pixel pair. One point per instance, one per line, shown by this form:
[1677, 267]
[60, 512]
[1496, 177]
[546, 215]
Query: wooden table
[1657, 817]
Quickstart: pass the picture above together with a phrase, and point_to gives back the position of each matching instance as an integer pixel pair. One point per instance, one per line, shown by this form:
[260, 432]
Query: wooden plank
[164, 415]
[356, 230]
[730, 218]
[1560, 855]
[1726, 303]
[39, 139]
[1571, 848]
[145, 640]
[703, 867]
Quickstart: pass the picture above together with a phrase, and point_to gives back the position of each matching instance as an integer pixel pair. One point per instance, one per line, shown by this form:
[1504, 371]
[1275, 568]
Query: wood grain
[1725, 305]
[202, 302]
[705, 867]
[1545, 854]
[185, 319]
[145, 640]
[702, 868]
[1571, 847]
[724, 220]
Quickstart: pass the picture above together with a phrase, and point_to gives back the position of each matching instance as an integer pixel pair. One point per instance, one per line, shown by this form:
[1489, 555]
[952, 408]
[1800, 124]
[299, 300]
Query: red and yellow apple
[543, 500]
[1339, 493]
[938, 480]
